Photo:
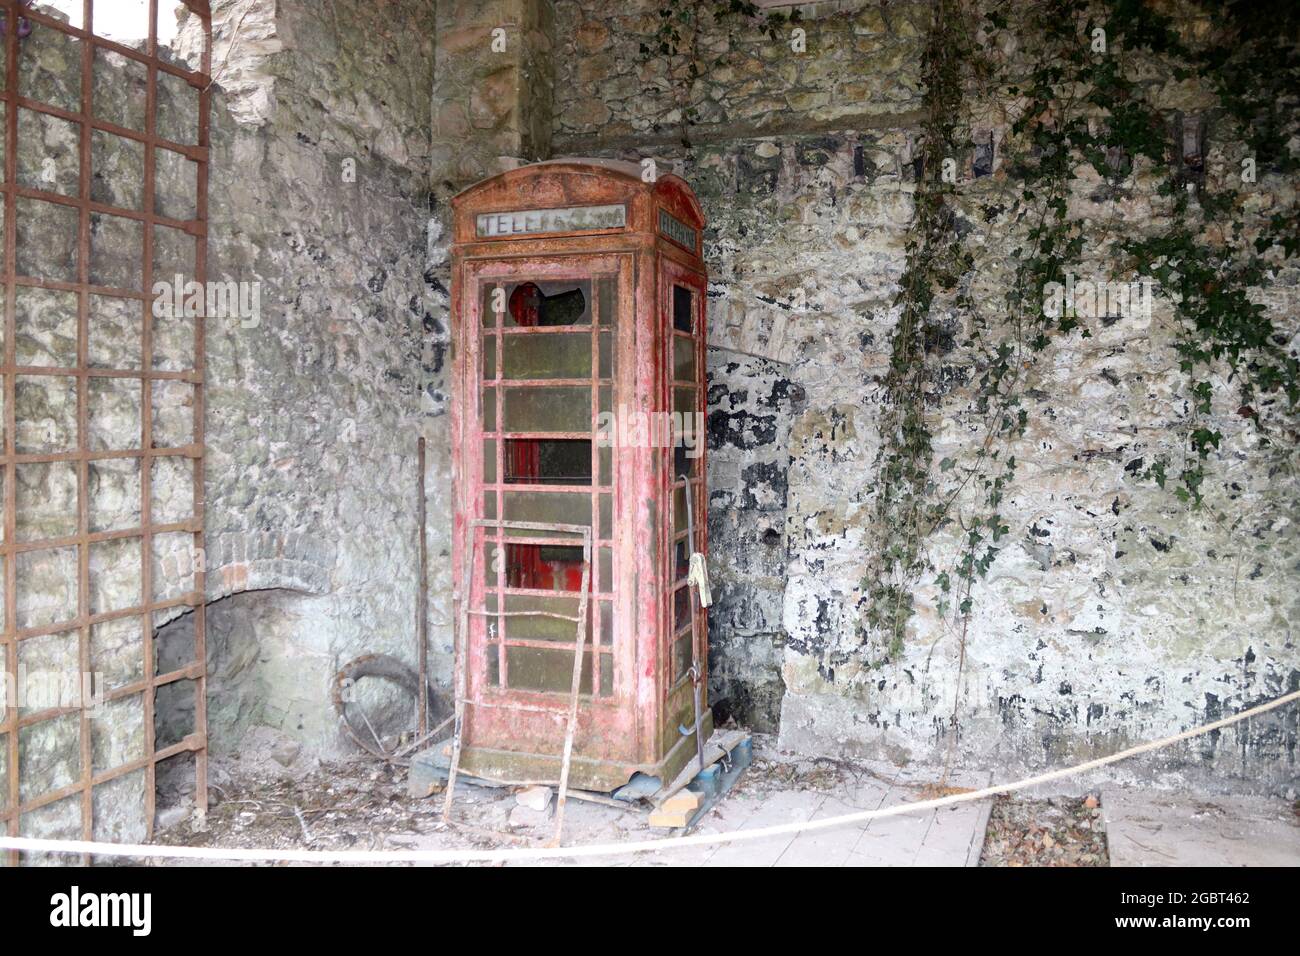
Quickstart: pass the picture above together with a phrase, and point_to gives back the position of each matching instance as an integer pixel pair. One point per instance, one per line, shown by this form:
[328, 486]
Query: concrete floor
[1158, 828]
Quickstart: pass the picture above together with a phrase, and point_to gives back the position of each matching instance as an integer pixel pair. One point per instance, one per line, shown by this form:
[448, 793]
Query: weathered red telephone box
[579, 349]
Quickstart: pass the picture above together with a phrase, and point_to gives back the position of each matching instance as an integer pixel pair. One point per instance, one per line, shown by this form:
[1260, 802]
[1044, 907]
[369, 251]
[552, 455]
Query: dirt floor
[1061, 831]
[362, 804]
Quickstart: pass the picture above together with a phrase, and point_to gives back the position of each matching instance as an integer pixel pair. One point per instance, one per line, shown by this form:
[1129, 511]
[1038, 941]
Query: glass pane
[682, 656]
[546, 356]
[605, 289]
[544, 628]
[683, 359]
[538, 668]
[547, 409]
[558, 507]
[490, 304]
[489, 412]
[606, 528]
[686, 458]
[681, 608]
[606, 675]
[605, 569]
[606, 355]
[489, 357]
[489, 461]
[681, 560]
[606, 624]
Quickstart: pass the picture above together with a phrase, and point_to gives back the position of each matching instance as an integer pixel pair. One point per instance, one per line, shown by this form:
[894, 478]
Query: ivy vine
[1076, 108]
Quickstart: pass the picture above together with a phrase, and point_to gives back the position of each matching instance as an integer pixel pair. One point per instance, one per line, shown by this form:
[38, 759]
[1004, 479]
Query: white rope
[145, 851]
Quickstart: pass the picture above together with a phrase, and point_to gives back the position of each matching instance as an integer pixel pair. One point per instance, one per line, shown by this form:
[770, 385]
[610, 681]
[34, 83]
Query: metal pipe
[422, 594]
[696, 677]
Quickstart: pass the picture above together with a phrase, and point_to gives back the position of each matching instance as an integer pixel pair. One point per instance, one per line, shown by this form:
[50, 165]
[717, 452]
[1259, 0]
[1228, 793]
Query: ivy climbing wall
[1052, 589]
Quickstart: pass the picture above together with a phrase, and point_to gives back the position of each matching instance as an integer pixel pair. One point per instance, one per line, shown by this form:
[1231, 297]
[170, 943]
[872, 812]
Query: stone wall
[339, 128]
[320, 194]
[750, 409]
[319, 200]
[1116, 614]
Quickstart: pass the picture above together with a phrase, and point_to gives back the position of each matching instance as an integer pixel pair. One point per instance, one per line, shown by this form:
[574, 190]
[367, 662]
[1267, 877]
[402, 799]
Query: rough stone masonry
[339, 130]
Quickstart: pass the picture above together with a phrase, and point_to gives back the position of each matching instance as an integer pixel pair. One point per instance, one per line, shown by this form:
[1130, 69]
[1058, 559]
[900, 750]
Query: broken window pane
[607, 292]
[551, 303]
[539, 461]
[540, 567]
[682, 309]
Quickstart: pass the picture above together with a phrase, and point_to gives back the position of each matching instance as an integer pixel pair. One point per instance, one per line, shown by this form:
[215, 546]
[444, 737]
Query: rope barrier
[508, 855]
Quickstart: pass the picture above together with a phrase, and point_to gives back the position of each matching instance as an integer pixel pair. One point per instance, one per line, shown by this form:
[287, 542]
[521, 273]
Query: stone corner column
[492, 90]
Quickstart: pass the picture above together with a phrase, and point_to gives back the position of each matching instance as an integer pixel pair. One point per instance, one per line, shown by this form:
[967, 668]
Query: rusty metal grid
[601, 385]
[12, 805]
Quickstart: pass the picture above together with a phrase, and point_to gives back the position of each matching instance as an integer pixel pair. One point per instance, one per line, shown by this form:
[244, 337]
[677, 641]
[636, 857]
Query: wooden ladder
[461, 639]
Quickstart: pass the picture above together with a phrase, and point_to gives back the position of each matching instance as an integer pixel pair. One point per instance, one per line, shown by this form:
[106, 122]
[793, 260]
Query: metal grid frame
[12, 807]
[601, 383]
[684, 640]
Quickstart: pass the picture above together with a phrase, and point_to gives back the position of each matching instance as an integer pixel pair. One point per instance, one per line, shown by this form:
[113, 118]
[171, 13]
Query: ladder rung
[562, 617]
[528, 708]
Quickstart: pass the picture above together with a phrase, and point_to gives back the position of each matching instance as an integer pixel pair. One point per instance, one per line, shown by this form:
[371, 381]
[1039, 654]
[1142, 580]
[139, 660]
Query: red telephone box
[579, 350]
